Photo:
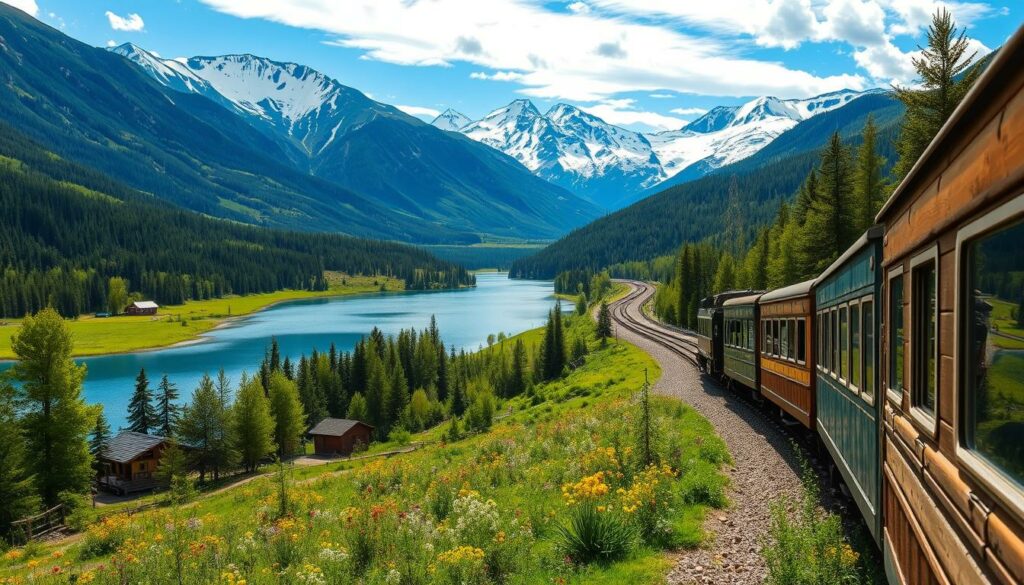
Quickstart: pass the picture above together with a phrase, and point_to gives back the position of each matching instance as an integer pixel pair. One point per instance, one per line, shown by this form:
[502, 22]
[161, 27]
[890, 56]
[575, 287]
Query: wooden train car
[953, 369]
[786, 353]
[709, 331]
[740, 341]
[848, 413]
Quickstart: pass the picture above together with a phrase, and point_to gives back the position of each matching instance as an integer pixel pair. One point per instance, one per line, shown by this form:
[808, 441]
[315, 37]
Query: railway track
[628, 313]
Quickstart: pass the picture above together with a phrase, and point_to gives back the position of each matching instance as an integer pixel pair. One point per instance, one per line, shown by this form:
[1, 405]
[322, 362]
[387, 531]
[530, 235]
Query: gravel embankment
[764, 469]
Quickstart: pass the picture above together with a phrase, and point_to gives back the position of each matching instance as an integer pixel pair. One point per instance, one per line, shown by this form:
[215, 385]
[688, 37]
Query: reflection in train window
[855, 355]
[993, 319]
[867, 309]
[925, 325]
[896, 333]
[844, 345]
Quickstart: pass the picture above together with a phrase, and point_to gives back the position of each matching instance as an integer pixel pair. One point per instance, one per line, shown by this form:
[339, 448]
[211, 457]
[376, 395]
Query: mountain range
[613, 166]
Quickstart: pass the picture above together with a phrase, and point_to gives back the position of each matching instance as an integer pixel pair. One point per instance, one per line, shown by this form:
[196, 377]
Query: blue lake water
[465, 317]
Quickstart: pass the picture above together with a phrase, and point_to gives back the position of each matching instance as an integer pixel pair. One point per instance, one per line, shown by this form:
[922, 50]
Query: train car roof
[747, 300]
[793, 291]
[874, 233]
[1005, 66]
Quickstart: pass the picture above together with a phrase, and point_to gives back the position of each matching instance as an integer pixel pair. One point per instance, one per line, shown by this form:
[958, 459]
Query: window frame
[801, 327]
[927, 422]
[894, 395]
[995, 482]
[866, 396]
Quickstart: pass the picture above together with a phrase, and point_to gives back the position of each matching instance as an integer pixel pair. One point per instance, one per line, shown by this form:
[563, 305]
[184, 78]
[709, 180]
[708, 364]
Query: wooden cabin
[787, 361]
[954, 394]
[142, 308]
[339, 436]
[740, 344]
[847, 410]
[129, 461]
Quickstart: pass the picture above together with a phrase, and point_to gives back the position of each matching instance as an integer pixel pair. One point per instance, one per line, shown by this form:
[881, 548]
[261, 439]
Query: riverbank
[183, 324]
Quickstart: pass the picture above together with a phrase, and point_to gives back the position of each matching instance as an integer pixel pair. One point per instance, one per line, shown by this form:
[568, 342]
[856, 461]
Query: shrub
[702, 484]
[594, 536]
[400, 436]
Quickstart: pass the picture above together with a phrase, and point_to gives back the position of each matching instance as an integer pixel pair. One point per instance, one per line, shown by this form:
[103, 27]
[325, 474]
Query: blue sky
[643, 64]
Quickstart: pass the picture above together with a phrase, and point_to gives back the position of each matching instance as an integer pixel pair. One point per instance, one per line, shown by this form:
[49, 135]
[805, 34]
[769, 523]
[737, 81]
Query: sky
[647, 65]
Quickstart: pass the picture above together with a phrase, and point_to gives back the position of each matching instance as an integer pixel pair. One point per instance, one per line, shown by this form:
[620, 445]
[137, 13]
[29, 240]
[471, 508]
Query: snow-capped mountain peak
[451, 120]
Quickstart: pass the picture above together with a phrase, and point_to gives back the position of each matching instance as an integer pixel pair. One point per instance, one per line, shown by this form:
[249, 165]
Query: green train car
[740, 341]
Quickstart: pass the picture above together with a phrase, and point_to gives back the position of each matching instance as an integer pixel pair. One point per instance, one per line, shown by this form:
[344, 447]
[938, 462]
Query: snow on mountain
[451, 120]
[571, 148]
[726, 135]
[288, 100]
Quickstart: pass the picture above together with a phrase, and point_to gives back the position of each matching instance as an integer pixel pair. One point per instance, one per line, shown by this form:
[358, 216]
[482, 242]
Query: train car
[709, 331]
[786, 352]
[740, 341]
[846, 333]
[952, 362]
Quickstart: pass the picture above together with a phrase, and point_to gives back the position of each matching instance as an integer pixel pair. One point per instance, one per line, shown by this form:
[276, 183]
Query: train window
[826, 355]
[844, 344]
[801, 341]
[766, 344]
[751, 335]
[924, 320]
[896, 333]
[992, 318]
[836, 364]
[867, 309]
[783, 341]
[855, 345]
[792, 340]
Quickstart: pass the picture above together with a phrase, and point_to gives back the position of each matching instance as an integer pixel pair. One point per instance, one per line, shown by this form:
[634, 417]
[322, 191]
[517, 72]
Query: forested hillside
[737, 199]
[65, 230]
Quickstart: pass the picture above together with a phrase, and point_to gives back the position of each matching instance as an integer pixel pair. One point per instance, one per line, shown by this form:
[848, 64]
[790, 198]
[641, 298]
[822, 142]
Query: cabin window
[993, 321]
[766, 343]
[751, 335]
[827, 353]
[792, 340]
[819, 334]
[844, 344]
[896, 333]
[836, 365]
[924, 320]
[855, 346]
[867, 309]
[783, 339]
[801, 341]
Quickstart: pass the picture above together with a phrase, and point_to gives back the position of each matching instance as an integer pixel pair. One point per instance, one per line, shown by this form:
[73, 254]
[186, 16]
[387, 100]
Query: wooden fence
[38, 526]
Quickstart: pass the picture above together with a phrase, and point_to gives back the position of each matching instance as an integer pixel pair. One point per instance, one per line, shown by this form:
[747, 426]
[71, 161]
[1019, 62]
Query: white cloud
[27, 6]
[623, 112]
[420, 111]
[689, 111]
[111, 43]
[131, 23]
[661, 96]
[553, 53]
[497, 76]
[579, 7]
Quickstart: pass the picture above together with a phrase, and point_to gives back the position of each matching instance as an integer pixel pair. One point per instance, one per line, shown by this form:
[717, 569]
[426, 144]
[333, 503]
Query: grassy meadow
[557, 491]
[180, 323]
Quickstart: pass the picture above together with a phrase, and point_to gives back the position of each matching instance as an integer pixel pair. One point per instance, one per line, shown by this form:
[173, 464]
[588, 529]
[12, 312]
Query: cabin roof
[1004, 67]
[336, 427]
[747, 300]
[128, 445]
[793, 291]
[145, 305]
[874, 233]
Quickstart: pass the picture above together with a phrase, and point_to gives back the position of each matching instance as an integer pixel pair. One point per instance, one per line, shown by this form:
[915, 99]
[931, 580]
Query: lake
[465, 317]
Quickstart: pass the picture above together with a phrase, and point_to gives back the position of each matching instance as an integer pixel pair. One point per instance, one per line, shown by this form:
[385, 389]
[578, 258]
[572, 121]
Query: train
[905, 357]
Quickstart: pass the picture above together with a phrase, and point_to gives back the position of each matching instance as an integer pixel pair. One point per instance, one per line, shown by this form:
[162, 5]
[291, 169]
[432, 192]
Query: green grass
[97, 336]
[1001, 317]
[521, 464]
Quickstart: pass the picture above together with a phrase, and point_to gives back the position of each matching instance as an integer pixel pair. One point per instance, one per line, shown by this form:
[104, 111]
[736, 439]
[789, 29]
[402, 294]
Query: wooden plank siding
[786, 382]
[967, 531]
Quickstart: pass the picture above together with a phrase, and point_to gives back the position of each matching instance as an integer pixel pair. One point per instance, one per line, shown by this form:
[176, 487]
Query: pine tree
[946, 74]
[519, 375]
[357, 409]
[166, 407]
[376, 388]
[205, 426]
[397, 397]
[868, 186]
[99, 437]
[559, 356]
[581, 304]
[17, 489]
[604, 323]
[275, 355]
[55, 420]
[829, 227]
[254, 426]
[173, 463]
[286, 410]
[459, 401]
[442, 374]
[142, 417]
[725, 276]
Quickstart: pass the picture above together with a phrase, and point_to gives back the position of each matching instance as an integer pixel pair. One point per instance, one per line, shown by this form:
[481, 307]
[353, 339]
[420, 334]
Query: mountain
[613, 166]
[338, 134]
[571, 148]
[703, 207]
[451, 120]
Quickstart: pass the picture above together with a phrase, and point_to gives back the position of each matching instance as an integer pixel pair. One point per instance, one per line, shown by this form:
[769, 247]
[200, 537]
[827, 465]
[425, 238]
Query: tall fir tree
[604, 323]
[946, 75]
[99, 437]
[868, 183]
[206, 427]
[286, 410]
[167, 408]
[55, 418]
[829, 228]
[518, 375]
[17, 487]
[357, 408]
[254, 426]
[142, 416]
